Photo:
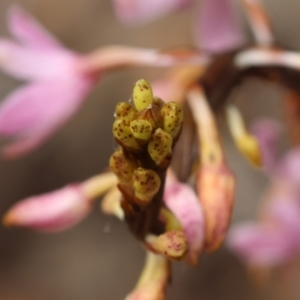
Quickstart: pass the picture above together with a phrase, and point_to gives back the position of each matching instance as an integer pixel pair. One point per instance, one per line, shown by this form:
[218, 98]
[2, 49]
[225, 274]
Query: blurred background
[99, 259]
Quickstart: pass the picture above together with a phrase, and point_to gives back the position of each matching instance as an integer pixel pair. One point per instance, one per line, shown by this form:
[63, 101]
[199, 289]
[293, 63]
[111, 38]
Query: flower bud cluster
[146, 129]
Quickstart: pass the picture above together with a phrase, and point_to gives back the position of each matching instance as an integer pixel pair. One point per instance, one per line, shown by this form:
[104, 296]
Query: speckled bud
[123, 134]
[146, 184]
[124, 111]
[160, 148]
[142, 94]
[122, 167]
[141, 129]
[172, 244]
[172, 118]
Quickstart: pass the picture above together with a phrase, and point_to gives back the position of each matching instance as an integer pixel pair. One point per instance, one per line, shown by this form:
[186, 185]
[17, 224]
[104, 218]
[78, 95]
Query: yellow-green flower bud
[172, 118]
[142, 94]
[146, 184]
[122, 167]
[141, 129]
[124, 111]
[160, 148]
[123, 134]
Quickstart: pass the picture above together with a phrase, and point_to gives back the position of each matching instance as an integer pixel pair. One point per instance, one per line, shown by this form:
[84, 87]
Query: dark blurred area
[99, 259]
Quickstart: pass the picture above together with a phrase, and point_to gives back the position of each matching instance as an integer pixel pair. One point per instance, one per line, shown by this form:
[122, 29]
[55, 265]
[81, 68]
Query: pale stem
[153, 280]
[235, 122]
[246, 142]
[268, 57]
[209, 140]
[173, 85]
[111, 57]
[259, 22]
[156, 269]
[98, 185]
[111, 203]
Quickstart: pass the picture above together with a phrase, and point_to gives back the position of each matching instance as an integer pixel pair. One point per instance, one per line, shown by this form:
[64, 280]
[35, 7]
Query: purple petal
[33, 113]
[183, 202]
[260, 244]
[29, 63]
[28, 31]
[286, 213]
[141, 11]
[289, 167]
[53, 211]
[267, 132]
[217, 28]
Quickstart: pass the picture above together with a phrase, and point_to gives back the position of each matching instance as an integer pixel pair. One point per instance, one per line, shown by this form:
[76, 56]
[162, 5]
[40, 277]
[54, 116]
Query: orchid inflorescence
[145, 185]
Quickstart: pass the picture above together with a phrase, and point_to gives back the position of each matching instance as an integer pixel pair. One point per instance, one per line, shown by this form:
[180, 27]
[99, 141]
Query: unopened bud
[122, 166]
[123, 134]
[171, 244]
[124, 111]
[172, 118]
[160, 148]
[141, 129]
[146, 184]
[142, 94]
[216, 193]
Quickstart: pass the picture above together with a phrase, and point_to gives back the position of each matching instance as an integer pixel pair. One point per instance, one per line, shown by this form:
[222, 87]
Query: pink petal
[217, 28]
[289, 167]
[141, 11]
[259, 244]
[183, 202]
[28, 31]
[33, 113]
[53, 211]
[285, 212]
[29, 63]
[267, 132]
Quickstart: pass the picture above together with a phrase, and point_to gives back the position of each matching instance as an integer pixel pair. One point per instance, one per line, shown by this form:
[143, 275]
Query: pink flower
[272, 241]
[267, 132]
[274, 238]
[216, 30]
[56, 89]
[140, 11]
[183, 202]
[217, 27]
[53, 211]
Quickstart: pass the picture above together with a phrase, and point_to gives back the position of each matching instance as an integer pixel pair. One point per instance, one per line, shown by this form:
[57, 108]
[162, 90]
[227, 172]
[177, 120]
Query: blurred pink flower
[56, 89]
[53, 211]
[271, 241]
[217, 28]
[183, 202]
[267, 132]
[140, 11]
[274, 238]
